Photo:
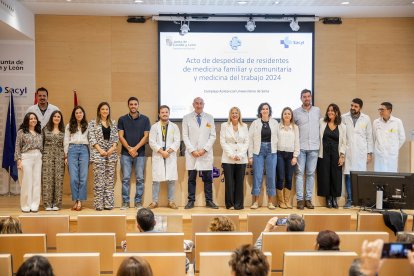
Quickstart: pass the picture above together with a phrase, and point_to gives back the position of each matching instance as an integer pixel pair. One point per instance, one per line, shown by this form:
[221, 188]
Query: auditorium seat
[217, 263]
[19, 244]
[72, 264]
[200, 222]
[171, 264]
[6, 265]
[375, 222]
[103, 243]
[317, 263]
[352, 241]
[395, 267]
[103, 224]
[257, 222]
[219, 241]
[279, 242]
[45, 224]
[155, 242]
[334, 222]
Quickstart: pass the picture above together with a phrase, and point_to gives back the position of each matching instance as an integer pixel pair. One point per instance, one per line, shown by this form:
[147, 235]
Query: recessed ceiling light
[138, 1]
[68, 0]
[345, 3]
[242, 2]
[276, 3]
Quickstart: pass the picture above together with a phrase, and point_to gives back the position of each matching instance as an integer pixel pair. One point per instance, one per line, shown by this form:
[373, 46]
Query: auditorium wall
[108, 59]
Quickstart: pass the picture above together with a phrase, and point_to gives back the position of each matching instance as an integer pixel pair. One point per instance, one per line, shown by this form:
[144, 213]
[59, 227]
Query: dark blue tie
[199, 119]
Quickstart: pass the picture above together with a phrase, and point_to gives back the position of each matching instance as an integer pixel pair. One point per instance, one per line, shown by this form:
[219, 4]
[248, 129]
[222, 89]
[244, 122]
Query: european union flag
[10, 134]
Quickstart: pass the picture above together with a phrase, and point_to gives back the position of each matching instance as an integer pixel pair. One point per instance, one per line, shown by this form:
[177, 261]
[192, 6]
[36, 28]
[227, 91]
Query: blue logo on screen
[235, 42]
[287, 42]
[15, 91]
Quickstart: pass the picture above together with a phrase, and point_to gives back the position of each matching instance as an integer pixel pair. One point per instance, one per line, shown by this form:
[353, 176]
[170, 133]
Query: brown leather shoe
[309, 205]
[153, 205]
[172, 205]
[300, 205]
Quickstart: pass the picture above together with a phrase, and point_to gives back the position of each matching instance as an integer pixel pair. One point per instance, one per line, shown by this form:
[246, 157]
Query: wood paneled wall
[106, 58]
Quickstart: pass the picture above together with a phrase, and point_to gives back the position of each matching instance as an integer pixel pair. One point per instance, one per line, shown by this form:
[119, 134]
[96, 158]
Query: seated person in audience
[370, 262]
[221, 224]
[327, 240]
[248, 261]
[294, 223]
[134, 266]
[405, 237]
[10, 225]
[35, 266]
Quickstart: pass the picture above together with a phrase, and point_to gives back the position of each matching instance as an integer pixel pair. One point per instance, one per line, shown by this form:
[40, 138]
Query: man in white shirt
[359, 144]
[389, 136]
[43, 109]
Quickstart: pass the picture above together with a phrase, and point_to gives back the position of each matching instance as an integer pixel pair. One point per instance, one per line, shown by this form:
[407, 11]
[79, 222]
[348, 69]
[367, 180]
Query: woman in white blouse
[76, 147]
[234, 139]
[288, 148]
[263, 153]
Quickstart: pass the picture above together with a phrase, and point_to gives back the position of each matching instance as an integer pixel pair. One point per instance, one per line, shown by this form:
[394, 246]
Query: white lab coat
[164, 169]
[359, 142]
[233, 144]
[342, 137]
[199, 137]
[388, 139]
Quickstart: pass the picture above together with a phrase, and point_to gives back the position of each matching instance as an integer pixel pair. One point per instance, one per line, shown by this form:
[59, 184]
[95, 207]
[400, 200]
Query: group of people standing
[301, 142]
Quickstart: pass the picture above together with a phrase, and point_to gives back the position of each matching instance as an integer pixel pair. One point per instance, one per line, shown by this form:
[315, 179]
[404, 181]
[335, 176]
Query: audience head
[145, 220]
[35, 266]
[221, 224]
[134, 266]
[10, 225]
[405, 237]
[295, 223]
[355, 268]
[247, 260]
[327, 240]
[30, 119]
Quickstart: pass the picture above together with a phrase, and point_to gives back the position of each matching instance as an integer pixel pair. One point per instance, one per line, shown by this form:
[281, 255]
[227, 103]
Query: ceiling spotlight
[138, 1]
[185, 27]
[345, 3]
[250, 25]
[294, 25]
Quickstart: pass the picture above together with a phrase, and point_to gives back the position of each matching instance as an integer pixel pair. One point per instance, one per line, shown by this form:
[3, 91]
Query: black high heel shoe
[334, 203]
[328, 202]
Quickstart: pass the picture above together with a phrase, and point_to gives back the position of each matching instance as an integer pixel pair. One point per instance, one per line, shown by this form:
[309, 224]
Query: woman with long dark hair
[331, 155]
[77, 155]
[53, 157]
[103, 139]
[28, 155]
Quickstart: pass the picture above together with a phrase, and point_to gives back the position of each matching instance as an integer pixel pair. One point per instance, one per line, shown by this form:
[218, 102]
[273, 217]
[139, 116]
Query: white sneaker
[55, 208]
[49, 209]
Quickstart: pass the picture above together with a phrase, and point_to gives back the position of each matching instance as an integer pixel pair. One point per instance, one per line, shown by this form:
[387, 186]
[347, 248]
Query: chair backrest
[257, 222]
[171, 264]
[318, 263]
[6, 268]
[219, 241]
[165, 223]
[72, 264]
[279, 242]
[19, 244]
[395, 267]
[47, 224]
[217, 263]
[155, 242]
[334, 222]
[200, 222]
[375, 222]
[103, 224]
[103, 243]
[352, 241]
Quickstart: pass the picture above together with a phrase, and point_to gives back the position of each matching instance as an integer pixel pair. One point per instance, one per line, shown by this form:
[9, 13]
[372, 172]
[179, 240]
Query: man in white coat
[389, 136]
[359, 144]
[199, 135]
[43, 109]
[164, 140]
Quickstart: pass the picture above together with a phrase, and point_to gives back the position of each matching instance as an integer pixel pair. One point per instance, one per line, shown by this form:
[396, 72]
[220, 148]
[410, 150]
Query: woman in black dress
[331, 155]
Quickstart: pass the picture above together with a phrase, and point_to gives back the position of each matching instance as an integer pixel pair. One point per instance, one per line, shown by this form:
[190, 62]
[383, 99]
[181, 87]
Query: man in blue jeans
[133, 130]
[307, 119]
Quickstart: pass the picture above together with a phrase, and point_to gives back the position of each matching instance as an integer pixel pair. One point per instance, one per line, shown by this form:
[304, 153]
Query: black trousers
[207, 177]
[329, 173]
[234, 184]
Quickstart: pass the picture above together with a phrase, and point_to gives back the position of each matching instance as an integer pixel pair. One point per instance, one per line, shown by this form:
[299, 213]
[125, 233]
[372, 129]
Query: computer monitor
[398, 189]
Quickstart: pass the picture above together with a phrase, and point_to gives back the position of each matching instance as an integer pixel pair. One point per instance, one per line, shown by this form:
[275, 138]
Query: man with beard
[43, 109]
[133, 130]
[359, 144]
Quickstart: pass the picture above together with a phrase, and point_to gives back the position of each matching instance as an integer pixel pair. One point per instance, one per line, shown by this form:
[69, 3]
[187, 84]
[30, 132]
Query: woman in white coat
[263, 153]
[164, 140]
[234, 140]
[331, 155]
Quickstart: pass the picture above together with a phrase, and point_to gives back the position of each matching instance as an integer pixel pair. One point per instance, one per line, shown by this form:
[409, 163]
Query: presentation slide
[234, 69]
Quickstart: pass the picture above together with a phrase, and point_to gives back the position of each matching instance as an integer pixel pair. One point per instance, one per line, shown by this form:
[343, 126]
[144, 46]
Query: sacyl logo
[15, 91]
[287, 42]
